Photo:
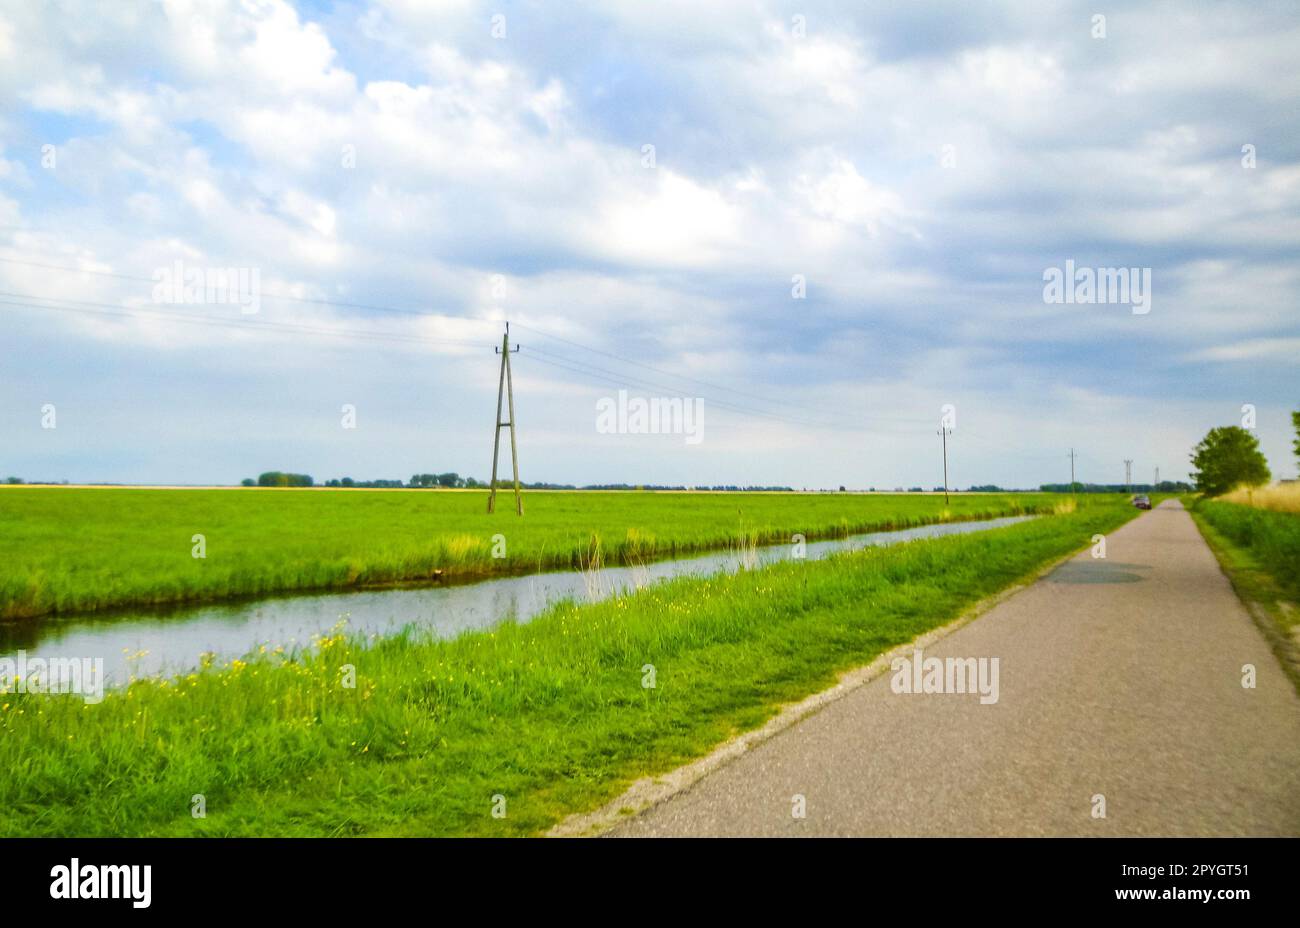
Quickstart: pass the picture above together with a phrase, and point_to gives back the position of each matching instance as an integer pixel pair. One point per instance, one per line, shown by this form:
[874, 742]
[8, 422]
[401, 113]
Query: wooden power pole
[945, 432]
[506, 391]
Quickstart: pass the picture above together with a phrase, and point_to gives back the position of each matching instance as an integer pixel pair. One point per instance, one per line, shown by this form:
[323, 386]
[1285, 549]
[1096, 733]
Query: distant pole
[505, 391]
[1072, 490]
[943, 432]
[1128, 475]
[1156, 486]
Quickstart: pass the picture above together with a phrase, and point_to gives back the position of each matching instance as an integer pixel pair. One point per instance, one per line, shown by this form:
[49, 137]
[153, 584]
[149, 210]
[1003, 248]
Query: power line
[88, 307]
[668, 389]
[618, 380]
[412, 312]
[111, 309]
[657, 370]
[104, 309]
[264, 294]
[705, 383]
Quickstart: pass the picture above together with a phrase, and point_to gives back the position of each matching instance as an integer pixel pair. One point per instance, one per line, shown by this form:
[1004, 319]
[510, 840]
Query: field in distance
[66, 549]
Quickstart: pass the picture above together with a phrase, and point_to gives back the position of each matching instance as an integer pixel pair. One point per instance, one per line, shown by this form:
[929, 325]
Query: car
[1142, 502]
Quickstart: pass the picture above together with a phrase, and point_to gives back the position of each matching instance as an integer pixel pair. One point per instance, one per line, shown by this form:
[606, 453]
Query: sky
[826, 226]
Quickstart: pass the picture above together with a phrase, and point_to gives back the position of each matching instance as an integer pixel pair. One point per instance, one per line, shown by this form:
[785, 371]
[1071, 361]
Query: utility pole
[1072, 471]
[505, 390]
[944, 433]
[1128, 475]
[1156, 486]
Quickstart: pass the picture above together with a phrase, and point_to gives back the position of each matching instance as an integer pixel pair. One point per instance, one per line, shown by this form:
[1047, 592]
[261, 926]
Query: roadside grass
[551, 715]
[85, 549]
[1259, 550]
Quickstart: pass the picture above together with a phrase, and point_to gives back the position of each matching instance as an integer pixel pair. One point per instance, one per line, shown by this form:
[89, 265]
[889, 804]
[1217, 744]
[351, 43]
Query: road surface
[1118, 678]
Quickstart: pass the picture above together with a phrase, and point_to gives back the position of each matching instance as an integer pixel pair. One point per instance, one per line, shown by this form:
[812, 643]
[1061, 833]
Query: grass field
[551, 715]
[81, 549]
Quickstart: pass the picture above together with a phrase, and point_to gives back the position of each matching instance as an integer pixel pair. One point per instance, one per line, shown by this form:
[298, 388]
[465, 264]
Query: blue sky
[919, 165]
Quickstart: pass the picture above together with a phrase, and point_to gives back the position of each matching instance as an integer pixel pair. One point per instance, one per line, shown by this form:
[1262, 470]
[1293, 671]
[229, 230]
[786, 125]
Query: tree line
[277, 478]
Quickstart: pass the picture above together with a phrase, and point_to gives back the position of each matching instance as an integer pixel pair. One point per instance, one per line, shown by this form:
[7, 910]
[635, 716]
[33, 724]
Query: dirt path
[1119, 678]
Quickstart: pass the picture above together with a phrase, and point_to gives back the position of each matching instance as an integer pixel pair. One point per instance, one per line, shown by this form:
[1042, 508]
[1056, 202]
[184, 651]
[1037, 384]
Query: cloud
[918, 166]
[1285, 350]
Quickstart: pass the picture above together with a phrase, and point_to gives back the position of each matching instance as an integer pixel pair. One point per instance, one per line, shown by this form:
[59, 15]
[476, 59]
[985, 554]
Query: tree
[248, 482]
[1295, 420]
[275, 478]
[1228, 457]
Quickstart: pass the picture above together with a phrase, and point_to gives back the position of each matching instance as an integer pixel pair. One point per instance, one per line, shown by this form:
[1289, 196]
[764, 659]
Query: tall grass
[1271, 537]
[79, 549]
[552, 715]
[1280, 497]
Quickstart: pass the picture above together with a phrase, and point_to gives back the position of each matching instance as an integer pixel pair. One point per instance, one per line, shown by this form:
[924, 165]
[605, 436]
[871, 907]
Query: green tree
[275, 478]
[1295, 421]
[1228, 457]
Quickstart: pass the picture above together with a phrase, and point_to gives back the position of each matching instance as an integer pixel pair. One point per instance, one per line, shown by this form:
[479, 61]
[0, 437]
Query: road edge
[1249, 582]
[648, 792]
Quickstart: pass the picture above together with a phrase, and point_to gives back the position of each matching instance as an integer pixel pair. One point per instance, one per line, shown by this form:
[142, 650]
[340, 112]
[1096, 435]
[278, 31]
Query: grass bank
[1259, 550]
[84, 549]
[552, 715]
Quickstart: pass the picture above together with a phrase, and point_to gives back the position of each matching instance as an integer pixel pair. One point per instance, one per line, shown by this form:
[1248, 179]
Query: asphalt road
[1118, 678]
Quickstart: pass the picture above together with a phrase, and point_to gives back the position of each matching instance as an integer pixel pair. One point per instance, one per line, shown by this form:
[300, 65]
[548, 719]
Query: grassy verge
[1260, 552]
[84, 549]
[552, 715]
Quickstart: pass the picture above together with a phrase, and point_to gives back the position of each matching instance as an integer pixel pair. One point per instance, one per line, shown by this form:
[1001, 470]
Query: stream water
[155, 641]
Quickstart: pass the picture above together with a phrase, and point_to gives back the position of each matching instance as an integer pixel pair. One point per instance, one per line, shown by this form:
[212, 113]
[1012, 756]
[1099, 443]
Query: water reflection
[148, 642]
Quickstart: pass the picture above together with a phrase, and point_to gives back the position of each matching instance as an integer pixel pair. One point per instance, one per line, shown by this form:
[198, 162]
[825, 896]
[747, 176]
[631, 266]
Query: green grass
[551, 714]
[82, 549]
[1259, 549]
[1272, 538]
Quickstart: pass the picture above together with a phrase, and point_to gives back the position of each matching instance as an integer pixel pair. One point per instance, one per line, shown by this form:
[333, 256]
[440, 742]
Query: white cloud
[216, 132]
[1286, 350]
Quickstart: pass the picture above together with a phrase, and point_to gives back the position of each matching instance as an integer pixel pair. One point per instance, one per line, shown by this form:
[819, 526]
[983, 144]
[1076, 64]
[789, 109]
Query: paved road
[1119, 677]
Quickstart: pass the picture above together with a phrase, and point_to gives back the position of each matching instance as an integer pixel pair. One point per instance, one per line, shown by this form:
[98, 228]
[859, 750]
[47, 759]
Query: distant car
[1142, 502]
